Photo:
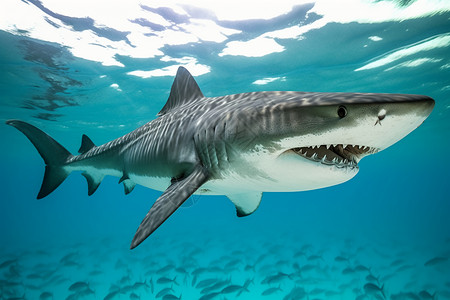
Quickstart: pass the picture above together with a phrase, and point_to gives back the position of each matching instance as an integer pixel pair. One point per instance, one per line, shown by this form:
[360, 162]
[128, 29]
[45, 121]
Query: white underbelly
[155, 183]
[288, 174]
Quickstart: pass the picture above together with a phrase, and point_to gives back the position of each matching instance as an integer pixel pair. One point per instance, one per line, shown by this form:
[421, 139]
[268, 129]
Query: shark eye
[342, 111]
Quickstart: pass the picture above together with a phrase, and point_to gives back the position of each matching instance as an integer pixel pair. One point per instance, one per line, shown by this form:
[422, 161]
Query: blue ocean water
[385, 234]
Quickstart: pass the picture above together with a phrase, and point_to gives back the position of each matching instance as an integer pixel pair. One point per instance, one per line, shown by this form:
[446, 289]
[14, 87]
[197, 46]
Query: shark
[236, 145]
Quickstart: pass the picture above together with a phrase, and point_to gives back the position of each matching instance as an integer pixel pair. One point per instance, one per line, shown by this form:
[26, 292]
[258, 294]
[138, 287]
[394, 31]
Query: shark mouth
[339, 155]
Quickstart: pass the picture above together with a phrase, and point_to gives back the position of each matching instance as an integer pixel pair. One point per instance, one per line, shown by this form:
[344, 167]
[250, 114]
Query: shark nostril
[381, 116]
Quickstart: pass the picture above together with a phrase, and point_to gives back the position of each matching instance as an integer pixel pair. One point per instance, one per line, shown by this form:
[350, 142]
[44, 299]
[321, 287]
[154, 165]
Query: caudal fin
[53, 154]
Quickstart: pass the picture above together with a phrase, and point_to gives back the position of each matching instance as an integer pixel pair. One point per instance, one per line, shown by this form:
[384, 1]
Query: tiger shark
[236, 145]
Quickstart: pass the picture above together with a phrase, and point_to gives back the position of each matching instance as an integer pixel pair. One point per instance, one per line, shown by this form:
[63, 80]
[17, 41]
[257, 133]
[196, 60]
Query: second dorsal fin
[86, 144]
[184, 89]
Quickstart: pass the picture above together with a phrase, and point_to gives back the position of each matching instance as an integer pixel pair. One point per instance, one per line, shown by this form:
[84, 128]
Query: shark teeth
[338, 155]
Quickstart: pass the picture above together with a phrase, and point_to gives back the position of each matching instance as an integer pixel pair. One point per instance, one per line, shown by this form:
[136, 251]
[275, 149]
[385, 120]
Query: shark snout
[417, 107]
[396, 120]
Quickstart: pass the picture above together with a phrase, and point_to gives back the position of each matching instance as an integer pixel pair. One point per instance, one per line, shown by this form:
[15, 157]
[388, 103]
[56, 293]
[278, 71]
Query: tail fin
[53, 154]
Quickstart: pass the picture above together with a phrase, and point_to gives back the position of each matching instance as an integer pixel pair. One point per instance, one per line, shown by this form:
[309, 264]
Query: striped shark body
[236, 145]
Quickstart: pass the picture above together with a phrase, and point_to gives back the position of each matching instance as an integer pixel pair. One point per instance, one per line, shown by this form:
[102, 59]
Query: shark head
[302, 141]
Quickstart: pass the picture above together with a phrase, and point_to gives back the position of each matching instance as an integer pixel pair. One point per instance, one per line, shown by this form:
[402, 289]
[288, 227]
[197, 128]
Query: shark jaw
[293, 170]
[322, 165]
[338, 155]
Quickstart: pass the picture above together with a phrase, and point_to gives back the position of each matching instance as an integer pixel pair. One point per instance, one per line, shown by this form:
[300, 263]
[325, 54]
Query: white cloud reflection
[439, 41]
[146, 27]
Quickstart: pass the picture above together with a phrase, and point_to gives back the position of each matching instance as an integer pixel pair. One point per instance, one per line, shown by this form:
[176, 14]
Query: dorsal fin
[86, 144]
[184, 89]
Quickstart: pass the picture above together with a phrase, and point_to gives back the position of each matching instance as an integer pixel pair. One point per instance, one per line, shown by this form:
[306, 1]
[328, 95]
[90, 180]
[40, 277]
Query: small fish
[332, 293]
[206, 283]
[426, 295]
[316, 291]
[404, 268]
[78, 286]
[371, 289]
[373, 279]
[126, 289]
[194, 280]
[46, 296]
[134, 296]
[215, 287]
[247, 283]
[114, 288]
[361, 268]
[314, 258]
[9, 284]
[17, 298]
[271, 291]
[397, 262]
[436, 261]
[216, 270]
[181, 271]
[84, 293]
[231, 289]
[164, 291]
[233, 263]
[341, 259]
[348, 271]
[69, 257]
[277, 278]
[112, 295]
[138, 285]
[165, 280]
[8, 263]
[361, 297]
[199, 271]
[96, 273]
[125, 279]
[261, 258]
[296, 293]
[308, 267]
[165, 269]
[282, 262]
[210, 296]
[299, 253]
[405, 296]
[171, 297]
[152, 285]
[73, 296]
[71, 264]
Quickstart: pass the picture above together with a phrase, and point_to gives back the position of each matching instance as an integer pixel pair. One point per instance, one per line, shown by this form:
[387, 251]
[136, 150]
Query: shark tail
[54, 155]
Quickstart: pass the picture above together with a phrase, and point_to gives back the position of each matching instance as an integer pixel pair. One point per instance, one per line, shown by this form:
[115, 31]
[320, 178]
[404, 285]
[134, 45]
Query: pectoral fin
[178, 192]
[245, 203]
